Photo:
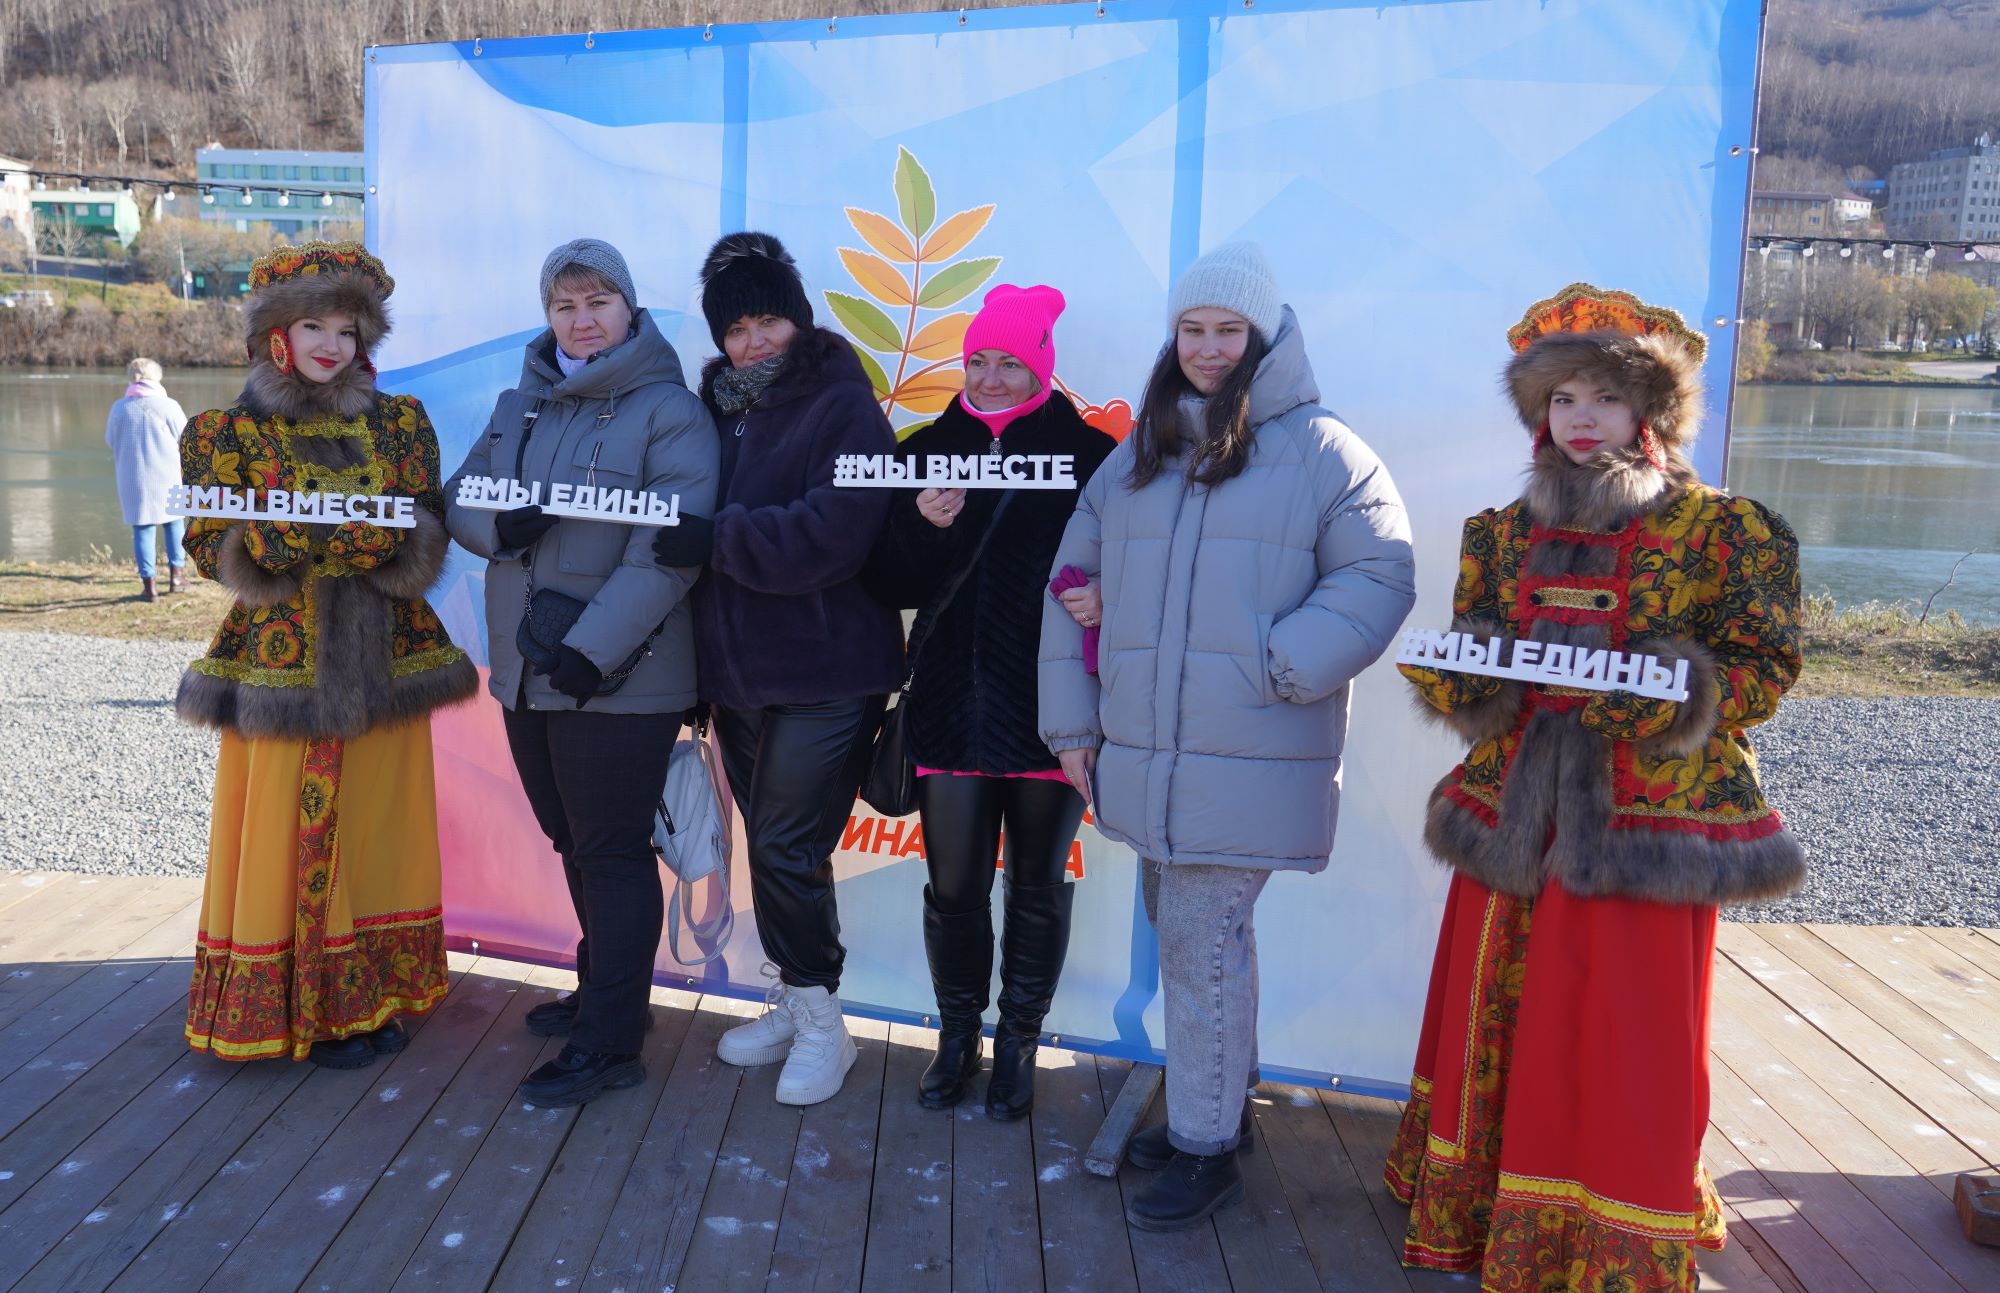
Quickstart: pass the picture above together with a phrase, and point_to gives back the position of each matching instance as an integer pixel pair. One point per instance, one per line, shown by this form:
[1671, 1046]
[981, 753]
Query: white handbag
[691, 835]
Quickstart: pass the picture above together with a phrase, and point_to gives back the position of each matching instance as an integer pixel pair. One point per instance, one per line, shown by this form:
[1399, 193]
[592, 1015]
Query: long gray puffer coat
[626, 419]
[1234, 619]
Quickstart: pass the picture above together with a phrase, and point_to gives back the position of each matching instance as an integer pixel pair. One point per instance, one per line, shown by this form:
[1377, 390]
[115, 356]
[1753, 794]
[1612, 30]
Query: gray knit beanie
[1234, 277]
[595, 255]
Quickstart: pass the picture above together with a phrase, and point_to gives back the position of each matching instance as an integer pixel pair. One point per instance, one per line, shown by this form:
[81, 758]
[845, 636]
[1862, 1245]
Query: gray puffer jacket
[1234, 619]
[626, 419]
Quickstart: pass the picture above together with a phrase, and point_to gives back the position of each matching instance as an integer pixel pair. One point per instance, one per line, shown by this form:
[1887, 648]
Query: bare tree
[117, 101]
[60, 235]
[243, 59]
[178, 115]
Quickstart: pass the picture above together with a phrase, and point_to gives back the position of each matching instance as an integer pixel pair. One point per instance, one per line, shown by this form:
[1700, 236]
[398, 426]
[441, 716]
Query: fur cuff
[1492, 715]
[1697, 717]
[252, 584]
[418, 561]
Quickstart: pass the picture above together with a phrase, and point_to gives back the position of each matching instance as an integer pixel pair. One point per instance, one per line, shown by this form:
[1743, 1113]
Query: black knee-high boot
[960, 948]
[1032, 948]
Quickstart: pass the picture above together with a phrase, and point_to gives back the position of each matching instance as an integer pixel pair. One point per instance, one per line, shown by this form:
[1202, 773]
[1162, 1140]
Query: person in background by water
[143, 431]
[795, 656]
[600, 401]
[983, 771]
[1254, 558]
[322, 915]
[1560, 1093]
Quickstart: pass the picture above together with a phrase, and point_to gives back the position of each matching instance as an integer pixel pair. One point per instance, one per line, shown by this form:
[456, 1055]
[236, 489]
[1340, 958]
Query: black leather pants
[794, 771]
[963, 819]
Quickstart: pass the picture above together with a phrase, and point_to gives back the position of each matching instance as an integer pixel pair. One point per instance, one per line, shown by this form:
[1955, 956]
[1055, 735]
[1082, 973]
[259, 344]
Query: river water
[1886, 486]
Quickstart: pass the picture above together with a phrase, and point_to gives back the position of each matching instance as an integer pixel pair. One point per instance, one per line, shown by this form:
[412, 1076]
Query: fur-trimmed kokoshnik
[281, 304]
[1612, 793]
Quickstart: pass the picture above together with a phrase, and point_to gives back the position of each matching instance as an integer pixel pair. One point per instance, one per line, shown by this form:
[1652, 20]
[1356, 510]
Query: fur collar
[268, 392]
[813, 361]
[1604, 494]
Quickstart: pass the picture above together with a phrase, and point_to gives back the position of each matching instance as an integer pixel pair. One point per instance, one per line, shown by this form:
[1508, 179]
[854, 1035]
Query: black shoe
[1190, 1189]
[960, 950]
[578, 1075]
[388, 1039]
[1151, 1149]
[344, 1053]
[553, 1018]
[1032, 947]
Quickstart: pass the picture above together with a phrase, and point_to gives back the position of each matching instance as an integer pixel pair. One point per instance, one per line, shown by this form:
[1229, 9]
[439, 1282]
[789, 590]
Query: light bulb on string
[1889, 252]
[246, 197]
[1930, 252]
[1805, 249]
[284, 199]
[1846, 250]
[326, 199]
[208, 197]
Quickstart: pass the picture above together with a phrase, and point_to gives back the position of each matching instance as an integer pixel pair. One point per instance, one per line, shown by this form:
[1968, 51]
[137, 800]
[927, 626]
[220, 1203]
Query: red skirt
[1553, 1135]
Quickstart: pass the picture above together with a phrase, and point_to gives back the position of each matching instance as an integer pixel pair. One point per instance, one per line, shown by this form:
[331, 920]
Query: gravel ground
[1897, 801]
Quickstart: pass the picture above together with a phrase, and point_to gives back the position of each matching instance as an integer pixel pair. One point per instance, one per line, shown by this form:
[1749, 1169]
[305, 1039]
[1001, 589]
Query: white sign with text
[582, 502]
[1553, 663]
[250, 504]
[956, 471]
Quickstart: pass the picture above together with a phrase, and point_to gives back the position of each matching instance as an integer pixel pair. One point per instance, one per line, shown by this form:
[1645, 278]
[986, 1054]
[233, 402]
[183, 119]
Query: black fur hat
[751, 274]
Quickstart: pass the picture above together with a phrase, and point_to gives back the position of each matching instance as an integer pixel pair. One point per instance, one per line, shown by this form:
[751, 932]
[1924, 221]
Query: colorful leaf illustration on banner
[915, 198]
[955, 234]
[912, 362]
[877, 277]
[865, 322]
[941, 338]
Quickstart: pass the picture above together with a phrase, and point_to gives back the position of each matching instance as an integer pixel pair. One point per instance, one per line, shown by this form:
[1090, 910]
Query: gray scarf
[737, 389]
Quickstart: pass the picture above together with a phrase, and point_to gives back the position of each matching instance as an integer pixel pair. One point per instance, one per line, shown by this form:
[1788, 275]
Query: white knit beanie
[1234, 277]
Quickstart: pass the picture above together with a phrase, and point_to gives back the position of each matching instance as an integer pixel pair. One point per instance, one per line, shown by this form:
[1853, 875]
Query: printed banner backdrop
[1419, 174]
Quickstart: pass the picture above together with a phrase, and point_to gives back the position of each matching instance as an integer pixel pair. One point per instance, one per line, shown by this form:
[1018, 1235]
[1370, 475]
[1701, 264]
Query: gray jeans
[1208, 973]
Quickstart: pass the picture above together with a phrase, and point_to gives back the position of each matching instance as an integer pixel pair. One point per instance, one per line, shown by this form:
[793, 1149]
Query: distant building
[99, 214]
[17, 210]
[1801, 213]
[1955, 194]
[300, 209]
[1852, 208]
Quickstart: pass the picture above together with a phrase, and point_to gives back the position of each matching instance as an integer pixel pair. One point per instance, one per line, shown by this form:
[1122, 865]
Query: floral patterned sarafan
[1719, 570]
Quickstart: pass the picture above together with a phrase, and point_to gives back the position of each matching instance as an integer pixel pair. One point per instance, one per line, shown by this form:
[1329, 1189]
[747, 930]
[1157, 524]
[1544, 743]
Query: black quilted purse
[890, 787]
[546, 619]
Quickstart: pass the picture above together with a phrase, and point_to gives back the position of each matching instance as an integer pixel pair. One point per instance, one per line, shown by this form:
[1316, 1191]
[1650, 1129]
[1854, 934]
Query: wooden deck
[1857, 1070]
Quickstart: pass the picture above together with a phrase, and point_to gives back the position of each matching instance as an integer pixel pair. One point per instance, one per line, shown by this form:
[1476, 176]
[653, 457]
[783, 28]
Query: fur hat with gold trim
[314, 280]
[1650, 356]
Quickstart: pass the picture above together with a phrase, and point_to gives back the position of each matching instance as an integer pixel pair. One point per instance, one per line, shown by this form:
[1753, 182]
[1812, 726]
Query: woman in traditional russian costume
[320, 917]
[1553, 1134]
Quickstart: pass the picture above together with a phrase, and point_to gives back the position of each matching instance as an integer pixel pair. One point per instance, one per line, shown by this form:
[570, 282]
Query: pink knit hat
[1020, 321]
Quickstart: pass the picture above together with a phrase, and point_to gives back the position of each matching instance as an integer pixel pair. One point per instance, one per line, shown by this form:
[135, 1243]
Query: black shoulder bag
[890, 787]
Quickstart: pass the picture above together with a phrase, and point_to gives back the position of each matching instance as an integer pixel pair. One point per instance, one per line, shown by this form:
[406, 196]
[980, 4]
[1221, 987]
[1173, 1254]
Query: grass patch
[101, 599]
[1880, 649]
[122, 297]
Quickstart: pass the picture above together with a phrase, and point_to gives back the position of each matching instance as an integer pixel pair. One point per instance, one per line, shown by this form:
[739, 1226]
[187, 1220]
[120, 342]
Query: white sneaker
[822, 1052]
[767, 1038]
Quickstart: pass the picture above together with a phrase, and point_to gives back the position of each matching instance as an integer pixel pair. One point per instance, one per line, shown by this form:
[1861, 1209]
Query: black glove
[699, 715]
[686, 544]
[574, 675]
[521, 527]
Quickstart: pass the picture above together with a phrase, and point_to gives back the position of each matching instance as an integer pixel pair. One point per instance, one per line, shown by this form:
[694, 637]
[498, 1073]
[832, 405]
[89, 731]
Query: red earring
[1650, 445]
[1543, 436]
[281, 351]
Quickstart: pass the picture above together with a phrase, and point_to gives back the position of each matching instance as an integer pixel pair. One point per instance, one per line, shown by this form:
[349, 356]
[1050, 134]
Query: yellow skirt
[321, 915]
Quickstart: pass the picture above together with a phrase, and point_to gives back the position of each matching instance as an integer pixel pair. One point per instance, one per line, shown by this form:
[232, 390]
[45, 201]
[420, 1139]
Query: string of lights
[210, 191]
[1848, 248]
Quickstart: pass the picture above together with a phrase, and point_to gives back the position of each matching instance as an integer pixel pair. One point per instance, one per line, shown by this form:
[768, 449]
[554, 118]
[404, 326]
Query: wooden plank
[823, 1232]
[87, 1102]
[73, 1004]
[1931, 1086]
[1920, 1031]
[738, 1229]
[109, 1232]
[567, 1219]
[1127, 1115]
[1880, 1255]
[1169, 1263]
[1952, 989]
[28, 951]
[1735, 1268]
[1085, 1247]
[1753, 1204]
[125, 909]
[1873, 1165]
[909, 1214]
[1753, 1013]
[654, 1219]
[469, 1239]
[1974, 945]
[1367, 1130]
[77, 1054]
[1260, 1239]
[18, 885]
[378, 1241]
[1343, 1236]
[310, 1212]
[996, 1239]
